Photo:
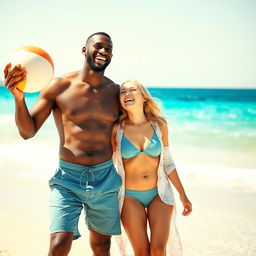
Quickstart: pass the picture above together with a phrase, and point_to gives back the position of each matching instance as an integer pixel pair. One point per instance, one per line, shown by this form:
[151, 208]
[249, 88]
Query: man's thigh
[65, 209]
[102, 209]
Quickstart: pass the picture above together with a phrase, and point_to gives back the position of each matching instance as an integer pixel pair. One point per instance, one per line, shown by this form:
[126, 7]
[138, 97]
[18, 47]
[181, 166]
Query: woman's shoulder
[162, 124]
[115, 127]
[161, 127]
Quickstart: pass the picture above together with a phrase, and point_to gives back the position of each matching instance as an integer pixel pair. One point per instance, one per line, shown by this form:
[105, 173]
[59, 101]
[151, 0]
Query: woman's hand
[186, 204]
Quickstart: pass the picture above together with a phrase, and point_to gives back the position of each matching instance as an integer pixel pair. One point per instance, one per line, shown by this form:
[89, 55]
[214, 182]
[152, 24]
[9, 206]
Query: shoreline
[48, 139]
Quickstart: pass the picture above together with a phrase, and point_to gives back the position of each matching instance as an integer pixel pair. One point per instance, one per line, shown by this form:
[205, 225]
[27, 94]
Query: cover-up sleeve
[114, 157]
[168, 162]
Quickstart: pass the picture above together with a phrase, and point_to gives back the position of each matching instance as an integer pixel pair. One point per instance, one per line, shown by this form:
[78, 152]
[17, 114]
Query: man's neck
[91, 77]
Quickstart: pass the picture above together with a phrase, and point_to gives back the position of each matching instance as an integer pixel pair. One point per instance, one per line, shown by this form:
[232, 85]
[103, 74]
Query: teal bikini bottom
[143, 196]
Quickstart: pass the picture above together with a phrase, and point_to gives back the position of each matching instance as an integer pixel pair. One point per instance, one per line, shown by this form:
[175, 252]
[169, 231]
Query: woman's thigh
[134, 220]
[159, 216]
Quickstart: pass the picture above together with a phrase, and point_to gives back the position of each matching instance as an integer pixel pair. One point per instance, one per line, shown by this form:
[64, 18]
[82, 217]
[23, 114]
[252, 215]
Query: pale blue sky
[197, 43]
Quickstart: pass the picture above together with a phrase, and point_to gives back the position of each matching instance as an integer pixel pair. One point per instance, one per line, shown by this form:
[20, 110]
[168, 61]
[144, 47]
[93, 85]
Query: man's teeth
[100, 58]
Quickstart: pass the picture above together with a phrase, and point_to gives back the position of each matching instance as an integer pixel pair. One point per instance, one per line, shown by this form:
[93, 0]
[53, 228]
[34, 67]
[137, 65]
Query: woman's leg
[159, 216]
[134, 220]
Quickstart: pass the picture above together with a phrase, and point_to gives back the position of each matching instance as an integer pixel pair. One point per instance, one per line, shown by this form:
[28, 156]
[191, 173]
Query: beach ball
[39, 67]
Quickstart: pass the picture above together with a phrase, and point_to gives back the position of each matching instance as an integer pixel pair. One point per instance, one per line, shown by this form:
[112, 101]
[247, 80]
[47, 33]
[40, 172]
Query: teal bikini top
[128, 150]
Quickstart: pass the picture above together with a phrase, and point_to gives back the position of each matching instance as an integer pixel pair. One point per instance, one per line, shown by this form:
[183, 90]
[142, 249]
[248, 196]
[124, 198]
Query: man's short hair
[98, 33]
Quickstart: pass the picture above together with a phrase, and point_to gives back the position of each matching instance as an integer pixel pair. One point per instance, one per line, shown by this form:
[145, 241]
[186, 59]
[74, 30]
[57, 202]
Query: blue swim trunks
[92, 188]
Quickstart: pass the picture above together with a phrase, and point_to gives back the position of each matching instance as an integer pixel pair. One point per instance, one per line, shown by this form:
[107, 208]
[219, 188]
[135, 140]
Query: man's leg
[101, 210]
[60, 243]
[65, 210]
[100, 243]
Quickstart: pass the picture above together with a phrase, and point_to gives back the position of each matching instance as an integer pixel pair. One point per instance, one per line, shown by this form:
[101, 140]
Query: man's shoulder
[116, 87]
[111, 83]
[71, 75]
[66, 78]
[59, 81]
[56, 86]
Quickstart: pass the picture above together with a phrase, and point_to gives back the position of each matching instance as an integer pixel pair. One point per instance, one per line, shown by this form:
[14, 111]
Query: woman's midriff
[141, 172]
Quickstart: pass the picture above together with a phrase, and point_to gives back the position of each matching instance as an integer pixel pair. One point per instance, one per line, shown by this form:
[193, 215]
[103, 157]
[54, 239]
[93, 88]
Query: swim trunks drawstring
[87, 171]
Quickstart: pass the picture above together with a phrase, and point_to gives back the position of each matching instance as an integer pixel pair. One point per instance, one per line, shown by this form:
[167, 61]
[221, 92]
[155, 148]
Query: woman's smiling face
[130, 95]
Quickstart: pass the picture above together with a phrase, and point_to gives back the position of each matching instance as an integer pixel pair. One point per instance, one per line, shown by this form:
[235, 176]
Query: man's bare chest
[80, 104]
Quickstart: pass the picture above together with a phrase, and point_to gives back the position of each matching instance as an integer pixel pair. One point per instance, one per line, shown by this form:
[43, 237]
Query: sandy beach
[223, 196]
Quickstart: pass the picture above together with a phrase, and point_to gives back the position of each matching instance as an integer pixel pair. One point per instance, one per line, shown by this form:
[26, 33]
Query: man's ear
[84, 50]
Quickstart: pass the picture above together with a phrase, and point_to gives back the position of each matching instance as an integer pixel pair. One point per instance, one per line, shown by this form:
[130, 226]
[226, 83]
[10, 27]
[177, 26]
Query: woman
[140, 143]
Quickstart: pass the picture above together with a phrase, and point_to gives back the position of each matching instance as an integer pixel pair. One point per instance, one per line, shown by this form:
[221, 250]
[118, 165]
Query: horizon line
[194, 87]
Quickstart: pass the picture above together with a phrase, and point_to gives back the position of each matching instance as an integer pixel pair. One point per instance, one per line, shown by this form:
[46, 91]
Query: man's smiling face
[99, 52]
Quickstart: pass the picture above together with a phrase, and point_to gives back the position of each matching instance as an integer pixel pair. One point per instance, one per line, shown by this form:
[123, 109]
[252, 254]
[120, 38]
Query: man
[85, 104]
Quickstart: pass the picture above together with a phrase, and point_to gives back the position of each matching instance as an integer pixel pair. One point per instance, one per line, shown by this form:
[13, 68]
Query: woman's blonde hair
[151, 108]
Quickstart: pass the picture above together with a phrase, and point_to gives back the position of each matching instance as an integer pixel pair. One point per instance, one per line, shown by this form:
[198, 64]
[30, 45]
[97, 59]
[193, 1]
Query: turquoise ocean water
[216, 118]
[211, 117]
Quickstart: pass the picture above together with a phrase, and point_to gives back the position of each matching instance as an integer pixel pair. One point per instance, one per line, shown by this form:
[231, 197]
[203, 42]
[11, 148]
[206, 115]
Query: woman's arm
[172, 173]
